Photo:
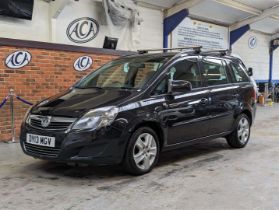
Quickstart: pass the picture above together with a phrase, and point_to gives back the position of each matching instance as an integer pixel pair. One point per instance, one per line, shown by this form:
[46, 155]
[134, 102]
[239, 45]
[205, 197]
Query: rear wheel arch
[241, 132]
[248, 114]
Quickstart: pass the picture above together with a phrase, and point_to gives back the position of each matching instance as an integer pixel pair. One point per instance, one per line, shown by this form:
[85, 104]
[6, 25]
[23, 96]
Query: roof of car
[189, 53]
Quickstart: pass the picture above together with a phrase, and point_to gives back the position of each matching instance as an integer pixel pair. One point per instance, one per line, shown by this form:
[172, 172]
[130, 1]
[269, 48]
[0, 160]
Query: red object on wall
[49, 72]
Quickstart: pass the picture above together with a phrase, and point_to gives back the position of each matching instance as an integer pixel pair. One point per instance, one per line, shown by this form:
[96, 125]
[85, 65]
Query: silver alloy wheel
[243, 130]
[145, 151]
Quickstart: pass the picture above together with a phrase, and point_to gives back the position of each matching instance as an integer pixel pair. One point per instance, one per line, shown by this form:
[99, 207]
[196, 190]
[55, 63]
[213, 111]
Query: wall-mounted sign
[83, 63]
[252, 42]
[83, 30]
[18, 59]
[196, 33]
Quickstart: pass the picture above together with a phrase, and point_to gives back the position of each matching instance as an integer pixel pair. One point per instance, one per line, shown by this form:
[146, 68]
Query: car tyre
[142, 152]
[241, 134]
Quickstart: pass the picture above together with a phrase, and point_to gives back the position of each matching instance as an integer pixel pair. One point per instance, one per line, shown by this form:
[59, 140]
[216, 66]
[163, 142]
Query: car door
[223, 95]
[185, 114]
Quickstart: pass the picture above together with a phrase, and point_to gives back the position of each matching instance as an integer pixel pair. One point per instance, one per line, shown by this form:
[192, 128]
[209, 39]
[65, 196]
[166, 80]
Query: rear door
[245, 88]
[223, 95]
[240, 78]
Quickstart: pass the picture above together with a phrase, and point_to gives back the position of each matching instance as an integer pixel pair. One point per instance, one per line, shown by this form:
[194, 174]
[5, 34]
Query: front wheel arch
[128, 163]
[156, 127]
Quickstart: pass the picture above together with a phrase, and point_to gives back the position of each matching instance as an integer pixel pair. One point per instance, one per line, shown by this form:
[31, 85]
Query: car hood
[75, 102]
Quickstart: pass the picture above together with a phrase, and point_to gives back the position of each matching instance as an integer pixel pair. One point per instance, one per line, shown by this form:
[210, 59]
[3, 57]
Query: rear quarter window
[239, 73]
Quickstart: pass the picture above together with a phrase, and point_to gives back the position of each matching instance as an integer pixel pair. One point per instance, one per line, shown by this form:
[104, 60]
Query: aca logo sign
[252, 42]
[83, 63]
[83, 30]
[18, 59]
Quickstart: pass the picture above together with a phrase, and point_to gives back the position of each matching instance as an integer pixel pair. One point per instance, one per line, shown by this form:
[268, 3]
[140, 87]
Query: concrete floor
[208, 176]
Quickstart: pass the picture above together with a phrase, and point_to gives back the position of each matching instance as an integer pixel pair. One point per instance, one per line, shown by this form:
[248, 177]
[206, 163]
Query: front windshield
[127, 73]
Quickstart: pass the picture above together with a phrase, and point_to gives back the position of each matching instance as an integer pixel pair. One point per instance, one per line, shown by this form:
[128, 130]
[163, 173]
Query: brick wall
[49, 72]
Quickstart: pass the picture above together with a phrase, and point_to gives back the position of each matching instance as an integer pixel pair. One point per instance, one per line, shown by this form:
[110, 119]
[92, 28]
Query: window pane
[214, 72]
[239, 73]
[187, 70]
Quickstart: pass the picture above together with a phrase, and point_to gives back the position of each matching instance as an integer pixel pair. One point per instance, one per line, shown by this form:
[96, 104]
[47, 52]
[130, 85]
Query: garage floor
[208, 176]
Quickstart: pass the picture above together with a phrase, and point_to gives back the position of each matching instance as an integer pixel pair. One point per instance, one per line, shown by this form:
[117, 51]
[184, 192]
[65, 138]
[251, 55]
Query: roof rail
[197, 49]
[220, 52]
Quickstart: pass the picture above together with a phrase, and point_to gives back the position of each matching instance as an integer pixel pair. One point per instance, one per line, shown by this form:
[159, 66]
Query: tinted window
[214, 72]
[187, 70]
[239, 73]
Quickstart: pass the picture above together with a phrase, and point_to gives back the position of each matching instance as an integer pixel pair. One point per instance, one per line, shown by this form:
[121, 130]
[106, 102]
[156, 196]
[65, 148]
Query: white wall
[275, 69]
[36, 30]
[39, 29]
[257, 58]
[152, 28]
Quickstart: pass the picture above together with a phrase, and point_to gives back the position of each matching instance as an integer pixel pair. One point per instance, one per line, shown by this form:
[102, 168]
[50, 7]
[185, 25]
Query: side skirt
[194, 141]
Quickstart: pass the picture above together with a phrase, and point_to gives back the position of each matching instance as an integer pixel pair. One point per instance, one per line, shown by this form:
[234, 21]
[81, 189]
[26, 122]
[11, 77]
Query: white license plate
[45, 141]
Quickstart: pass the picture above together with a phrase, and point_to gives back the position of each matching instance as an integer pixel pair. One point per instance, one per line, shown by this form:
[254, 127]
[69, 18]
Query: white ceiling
[267, 25]
[218, 12]
[260, 4]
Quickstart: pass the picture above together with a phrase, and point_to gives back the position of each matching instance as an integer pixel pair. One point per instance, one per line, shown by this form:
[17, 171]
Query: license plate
[45, 141]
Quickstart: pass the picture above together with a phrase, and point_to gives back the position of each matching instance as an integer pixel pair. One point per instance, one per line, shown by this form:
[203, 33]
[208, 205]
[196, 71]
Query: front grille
[39, 150]
[56, 123]
[53, 125]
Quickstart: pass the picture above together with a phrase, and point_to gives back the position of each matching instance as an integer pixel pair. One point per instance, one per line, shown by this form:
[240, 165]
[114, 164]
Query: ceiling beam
[186, 4]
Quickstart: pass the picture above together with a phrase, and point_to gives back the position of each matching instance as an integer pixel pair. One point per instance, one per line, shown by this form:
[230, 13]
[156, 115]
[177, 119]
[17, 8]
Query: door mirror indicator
[179, 86]
[250, 72]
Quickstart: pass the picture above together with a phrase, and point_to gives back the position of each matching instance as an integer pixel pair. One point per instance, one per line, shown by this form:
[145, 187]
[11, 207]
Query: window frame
[164, 75]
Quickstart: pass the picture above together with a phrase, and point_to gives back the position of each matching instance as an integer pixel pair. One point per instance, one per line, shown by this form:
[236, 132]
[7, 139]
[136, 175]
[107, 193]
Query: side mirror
[250, 72]
[179, 86]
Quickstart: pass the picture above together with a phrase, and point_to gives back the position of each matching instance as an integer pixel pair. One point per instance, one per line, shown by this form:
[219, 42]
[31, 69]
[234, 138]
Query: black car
[135, 107]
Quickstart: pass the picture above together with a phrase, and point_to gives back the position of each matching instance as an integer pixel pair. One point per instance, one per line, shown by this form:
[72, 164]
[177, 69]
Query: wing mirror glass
[250, 72]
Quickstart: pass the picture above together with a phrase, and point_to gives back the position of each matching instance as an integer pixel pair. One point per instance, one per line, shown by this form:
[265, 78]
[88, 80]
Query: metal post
[265, 92]
[12, 115]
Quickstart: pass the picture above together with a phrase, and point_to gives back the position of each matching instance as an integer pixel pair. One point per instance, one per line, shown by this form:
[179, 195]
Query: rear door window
[239, 73]
[214, 71]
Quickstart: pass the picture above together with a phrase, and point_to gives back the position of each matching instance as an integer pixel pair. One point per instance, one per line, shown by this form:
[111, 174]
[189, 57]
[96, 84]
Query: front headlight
[96, 118]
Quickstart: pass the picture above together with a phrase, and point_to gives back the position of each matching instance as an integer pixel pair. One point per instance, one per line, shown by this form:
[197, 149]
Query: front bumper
[103, 147]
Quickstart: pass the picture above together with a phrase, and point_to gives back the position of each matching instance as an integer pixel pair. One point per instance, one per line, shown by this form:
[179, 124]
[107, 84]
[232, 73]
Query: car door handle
[174, 105]
[204, 101]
